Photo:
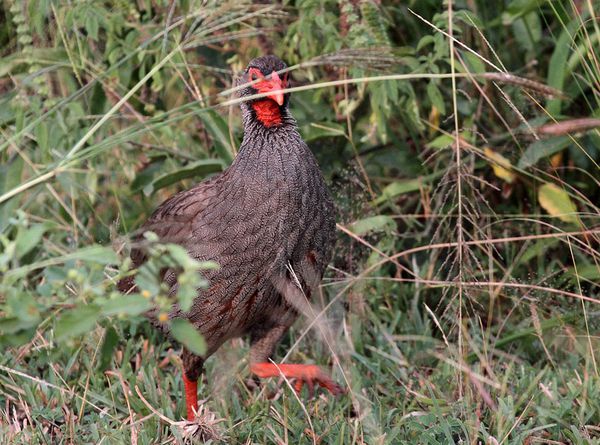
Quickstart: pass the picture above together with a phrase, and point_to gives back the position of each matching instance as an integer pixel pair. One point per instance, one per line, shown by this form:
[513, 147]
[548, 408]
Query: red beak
[273, 88]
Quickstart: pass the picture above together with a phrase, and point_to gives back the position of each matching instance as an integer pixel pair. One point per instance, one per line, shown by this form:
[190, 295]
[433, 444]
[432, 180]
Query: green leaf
[23, 305]
[181, 257]
[191, 170]
[41, 136]
[12, 325]
[424, 41]
[442, 141]
[98, 99]
[219, 130]
[557, 70]
[94, 254]
[28, 238]
[184, 332]
[146, 278]
[589, 272]
[474, 63]
[132, 304]
[145, 177]
[111, 339]
[435, 97]
[557, 203]
[317, 130]
[373, 224]
[398, 188]
[10, 177]
[538, 248]
[76, 321]
[541, 149]
[18, 338]
[187, 291]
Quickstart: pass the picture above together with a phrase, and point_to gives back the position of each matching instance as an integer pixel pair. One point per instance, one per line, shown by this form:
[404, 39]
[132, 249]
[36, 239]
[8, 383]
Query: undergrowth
[461, 143]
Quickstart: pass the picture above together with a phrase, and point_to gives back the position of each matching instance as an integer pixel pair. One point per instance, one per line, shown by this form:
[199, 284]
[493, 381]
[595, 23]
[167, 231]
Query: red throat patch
[268, 112]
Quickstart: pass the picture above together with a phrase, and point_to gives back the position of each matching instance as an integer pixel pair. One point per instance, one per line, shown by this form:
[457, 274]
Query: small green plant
[461, 139]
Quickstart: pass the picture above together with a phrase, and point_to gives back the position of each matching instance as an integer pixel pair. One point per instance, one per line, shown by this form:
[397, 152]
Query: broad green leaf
[111, 339]
[442, 141]
[317, 130]
[528, 30]
[23, 305]
[11, 325]
[10, 177]
[538, 248]
[424, 41]
[41, 136]
[28, 238]
[98, 99]
[557, 67]
[399, 188]
[181, 256]
[77, 321]
[191, 170]
[373, 224]
[94, 254]
[17, 338]
[590, 272]
[474, 63]
[133, 304]
[184, 332]
[145, 176]
[435, 97]
[147, 280]
[557, 202]
[541, 149]
[218, 129]
[189, 283]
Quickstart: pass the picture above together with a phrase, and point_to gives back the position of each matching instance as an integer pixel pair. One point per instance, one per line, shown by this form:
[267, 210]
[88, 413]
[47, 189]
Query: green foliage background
[465, 282]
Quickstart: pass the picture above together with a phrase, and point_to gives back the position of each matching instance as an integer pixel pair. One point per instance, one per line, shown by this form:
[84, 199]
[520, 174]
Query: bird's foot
[310, 375]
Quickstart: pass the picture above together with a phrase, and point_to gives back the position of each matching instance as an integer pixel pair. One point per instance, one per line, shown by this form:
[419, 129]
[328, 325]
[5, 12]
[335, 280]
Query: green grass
[462, 302]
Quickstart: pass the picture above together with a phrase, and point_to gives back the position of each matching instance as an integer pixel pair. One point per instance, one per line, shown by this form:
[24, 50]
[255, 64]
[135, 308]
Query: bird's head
[264, 76]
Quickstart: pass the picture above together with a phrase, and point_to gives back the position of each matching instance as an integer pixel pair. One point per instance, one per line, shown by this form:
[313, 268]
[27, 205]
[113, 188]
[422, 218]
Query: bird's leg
[191, 396]
[263, 344]
[310, 375]
[192, 368]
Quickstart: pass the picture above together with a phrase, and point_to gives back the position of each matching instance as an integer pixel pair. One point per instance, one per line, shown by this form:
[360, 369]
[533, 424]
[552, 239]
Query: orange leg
[309, 374]
[191, 397]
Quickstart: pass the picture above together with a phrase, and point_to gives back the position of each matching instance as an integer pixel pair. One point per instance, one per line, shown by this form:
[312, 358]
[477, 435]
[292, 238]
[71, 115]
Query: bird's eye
[253, 76]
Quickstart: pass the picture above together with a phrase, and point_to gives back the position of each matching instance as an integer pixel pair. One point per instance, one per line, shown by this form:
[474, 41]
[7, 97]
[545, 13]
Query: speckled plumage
[268, 211]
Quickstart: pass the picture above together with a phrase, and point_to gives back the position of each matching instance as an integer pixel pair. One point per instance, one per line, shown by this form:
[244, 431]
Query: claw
[298, 386]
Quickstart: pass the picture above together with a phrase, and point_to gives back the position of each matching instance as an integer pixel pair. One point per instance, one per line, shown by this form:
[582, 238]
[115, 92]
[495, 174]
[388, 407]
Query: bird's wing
[173, 222]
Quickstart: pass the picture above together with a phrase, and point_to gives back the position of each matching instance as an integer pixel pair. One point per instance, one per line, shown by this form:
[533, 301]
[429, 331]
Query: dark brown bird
[268, 221]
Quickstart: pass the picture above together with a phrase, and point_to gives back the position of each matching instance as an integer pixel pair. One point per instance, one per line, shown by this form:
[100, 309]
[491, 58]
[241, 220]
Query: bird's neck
[268, 126]
[268, 151]
[267, 112]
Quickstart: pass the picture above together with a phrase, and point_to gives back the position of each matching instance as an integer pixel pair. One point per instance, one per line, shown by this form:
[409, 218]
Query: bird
[268, 221]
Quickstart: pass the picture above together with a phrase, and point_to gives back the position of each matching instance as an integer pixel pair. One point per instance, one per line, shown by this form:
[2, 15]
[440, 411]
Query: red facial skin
[268, 109]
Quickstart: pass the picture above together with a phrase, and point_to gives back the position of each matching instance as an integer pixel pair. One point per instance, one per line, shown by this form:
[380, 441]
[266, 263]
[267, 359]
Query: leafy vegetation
[461, 141]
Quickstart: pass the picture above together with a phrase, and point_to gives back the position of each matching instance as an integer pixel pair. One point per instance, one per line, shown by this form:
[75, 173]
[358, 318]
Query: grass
[461, 143]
